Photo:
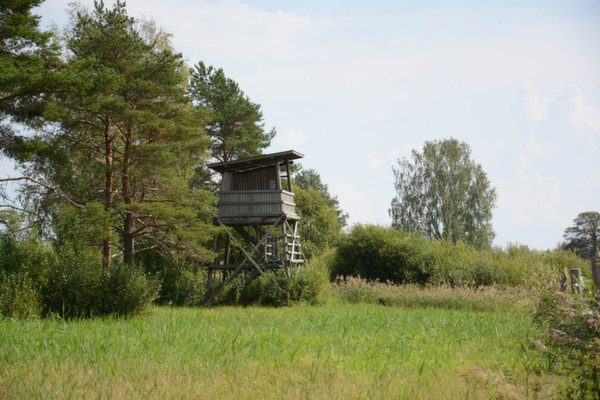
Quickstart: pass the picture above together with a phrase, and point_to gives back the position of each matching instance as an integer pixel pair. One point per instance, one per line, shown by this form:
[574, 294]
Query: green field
[340, 351]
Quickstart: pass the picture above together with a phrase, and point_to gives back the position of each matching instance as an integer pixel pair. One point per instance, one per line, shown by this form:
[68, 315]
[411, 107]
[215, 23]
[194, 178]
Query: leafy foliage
[182, 281]
[28, 64]
[385, 254]
[443, 194]
[25, 256]
[309, 284]
[571, 341]
[309, 178]
[322, 218]
[74, 285]
[127, 139]
[127, 291]
[77, 287]
[19, 296]
[319, 226]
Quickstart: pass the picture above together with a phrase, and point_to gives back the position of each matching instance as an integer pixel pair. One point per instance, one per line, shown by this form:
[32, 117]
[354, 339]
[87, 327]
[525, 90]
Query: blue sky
[355, 85]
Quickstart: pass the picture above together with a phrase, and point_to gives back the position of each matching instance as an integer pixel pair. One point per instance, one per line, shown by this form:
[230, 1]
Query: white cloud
[352, 200]
[535, 150]
[528, 196]
[536, 105]
[231, 27]
[585, 117]
[376, 161]
[289, 138]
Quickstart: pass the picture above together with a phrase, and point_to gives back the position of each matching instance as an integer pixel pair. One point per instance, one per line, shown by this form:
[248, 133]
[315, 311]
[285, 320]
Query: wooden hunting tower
[256, 203]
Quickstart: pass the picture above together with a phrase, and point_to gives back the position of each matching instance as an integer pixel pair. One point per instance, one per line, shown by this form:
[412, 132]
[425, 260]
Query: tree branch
[51, 188]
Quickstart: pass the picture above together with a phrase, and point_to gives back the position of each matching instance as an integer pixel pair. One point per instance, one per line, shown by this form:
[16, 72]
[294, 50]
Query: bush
[77, 287]
[19, 296]
[307, 284]
[311, 284]
[74, 284]
[384, 254]
[23, 268]
[267, 290]
[378, 253]
[127, 290]
[28, 255]
[182, 285]
[571, 340]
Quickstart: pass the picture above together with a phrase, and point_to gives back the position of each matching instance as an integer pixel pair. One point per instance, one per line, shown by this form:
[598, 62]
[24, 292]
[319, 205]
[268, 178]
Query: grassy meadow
[338, 351]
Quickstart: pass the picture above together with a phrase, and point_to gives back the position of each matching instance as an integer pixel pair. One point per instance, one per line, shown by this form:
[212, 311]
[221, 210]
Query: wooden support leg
[259, 239]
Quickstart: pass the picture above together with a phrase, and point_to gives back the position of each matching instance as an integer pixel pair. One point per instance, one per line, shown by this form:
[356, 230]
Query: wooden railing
[256, 203]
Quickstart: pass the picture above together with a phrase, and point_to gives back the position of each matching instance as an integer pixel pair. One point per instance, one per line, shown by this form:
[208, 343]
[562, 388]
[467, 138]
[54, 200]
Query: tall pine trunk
[108, 196]
[128, 238]
[128, 217]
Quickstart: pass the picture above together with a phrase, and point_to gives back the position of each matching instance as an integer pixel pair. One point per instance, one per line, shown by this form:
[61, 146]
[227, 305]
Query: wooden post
[289, 178]
[576, 281]
[563, 281]
[227, 250]
[596, 276]
[596, 280]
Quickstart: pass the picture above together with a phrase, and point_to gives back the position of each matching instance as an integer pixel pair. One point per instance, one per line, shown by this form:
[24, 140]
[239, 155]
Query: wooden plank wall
[259, 179]
[256, 203]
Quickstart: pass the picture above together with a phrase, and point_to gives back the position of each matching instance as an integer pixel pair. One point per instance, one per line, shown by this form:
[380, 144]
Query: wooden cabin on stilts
[256, 206]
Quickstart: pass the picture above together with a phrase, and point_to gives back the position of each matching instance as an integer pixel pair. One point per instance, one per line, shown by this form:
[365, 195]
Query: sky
[357, 85]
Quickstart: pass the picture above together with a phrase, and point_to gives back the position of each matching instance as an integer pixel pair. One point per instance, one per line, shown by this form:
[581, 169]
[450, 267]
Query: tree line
[443, 194]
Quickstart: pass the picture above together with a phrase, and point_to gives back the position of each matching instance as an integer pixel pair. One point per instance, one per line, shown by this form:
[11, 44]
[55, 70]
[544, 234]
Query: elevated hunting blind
[256, 204]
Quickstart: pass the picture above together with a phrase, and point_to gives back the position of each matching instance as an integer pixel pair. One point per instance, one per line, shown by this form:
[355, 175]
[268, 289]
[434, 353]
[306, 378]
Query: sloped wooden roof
[256, 162]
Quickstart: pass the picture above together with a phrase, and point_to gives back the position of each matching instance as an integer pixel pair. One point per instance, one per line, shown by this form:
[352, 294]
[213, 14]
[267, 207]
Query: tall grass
[337, 352]
[487, 298]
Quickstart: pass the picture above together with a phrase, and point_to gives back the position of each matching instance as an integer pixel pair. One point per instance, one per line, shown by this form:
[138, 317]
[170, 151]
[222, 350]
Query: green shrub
[311, 283]
[24, 262]
[268, 289]
[181, 284]
[127, 290]
[378, 253]
[232, 293]
[27, 255]
[74, 285]
[77, 287]
[384, 254]
[570, 338]
[306, 284]
[19, 296]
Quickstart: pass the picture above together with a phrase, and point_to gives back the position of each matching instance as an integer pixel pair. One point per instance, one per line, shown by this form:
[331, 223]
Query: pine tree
[28, 77]
[583, 236]
[27, 61]
[128, 139]
[235, 124]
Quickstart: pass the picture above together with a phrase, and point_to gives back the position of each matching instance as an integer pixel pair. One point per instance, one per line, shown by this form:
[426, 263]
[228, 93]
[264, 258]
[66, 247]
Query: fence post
[576, 281]
[563, 281]
[596, 275]
[596, 280]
